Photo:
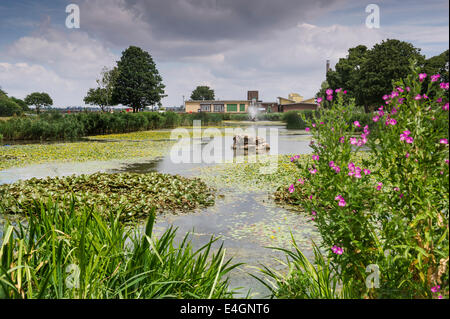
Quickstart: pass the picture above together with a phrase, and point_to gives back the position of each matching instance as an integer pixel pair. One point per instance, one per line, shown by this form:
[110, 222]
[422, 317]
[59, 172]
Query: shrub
[388, 209]
[8, 107]
[293, 120]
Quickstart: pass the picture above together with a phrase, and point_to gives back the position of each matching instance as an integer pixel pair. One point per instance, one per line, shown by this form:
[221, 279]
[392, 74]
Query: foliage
[367, 74]
[39, 100]
[138, 83]
[8, 107]
[438, 64]
[202, 92]
[79, 253]
[135, 193]
[304, 279]
[21, 103]
[102, 95]
[391, 210]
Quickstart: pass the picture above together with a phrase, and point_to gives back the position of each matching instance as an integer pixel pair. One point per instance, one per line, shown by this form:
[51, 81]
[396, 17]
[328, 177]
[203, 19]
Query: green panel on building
[242, 108]
[231, 107]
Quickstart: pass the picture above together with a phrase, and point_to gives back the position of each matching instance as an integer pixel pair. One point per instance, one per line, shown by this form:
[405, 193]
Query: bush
[386, 209]
[9, 107]
[293, 120]
[55, 125]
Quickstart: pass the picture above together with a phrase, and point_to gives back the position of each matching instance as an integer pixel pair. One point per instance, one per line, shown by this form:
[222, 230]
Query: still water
[245, 222]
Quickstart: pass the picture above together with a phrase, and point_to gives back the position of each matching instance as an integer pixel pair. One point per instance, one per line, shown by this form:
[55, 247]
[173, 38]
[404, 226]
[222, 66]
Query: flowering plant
[381, 198]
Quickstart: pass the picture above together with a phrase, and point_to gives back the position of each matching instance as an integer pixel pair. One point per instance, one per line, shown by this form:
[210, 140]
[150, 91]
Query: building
[293, 102]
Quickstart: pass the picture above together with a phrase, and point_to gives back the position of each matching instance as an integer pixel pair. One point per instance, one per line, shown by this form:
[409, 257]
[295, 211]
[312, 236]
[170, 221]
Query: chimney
[328, 67]
[252, 95]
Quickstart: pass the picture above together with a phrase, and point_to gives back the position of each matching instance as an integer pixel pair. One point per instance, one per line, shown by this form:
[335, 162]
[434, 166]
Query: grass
[76, 253]
[138, 194]
[304, 280]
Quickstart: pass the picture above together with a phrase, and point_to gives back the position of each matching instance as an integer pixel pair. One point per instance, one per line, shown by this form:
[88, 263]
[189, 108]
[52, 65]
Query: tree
[8, 107]
[38, 100]
[138, 83]
[438, 65]
[2, 93]
[368, 74]
[21, 103]
[202, 93]
[102, 95]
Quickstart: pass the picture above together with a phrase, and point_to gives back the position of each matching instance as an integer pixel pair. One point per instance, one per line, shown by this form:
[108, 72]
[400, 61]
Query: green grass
[304, 280]
[76, 253]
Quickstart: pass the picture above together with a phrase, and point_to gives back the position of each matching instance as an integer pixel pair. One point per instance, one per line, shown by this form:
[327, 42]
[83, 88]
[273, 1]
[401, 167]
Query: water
[245, 221]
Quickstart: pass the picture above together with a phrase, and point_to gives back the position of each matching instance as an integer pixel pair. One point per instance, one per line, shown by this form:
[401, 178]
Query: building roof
[215, 101]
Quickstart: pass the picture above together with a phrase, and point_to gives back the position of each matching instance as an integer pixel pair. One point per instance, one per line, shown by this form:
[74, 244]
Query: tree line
[368, 74]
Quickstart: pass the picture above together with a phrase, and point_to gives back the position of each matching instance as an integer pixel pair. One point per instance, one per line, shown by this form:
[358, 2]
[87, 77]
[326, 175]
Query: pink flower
[385, 97]
[315, 157]
[310, 196]
[314, 125]
[379, 185]
[422, 76]
[329, 91]
[376, 118]
[443, 141]
[353, 140]
[337, 250]
[329, 97]
[418, 97]
[342, 203]
[435, 288]
[409, 140]
[366, 171]
[444, 86]
[394, 111]
[392, 121]
[307, 129]
[337, 169]
[435, 77]
[400, 100]
[331, 164]
[301, 181]
[445, 107]
[338, 90]
[407, 155]
[400, 89]
[401, 195]
[351, 166]
[356, 123]
[319, 100]
[342, 139]
[396, 189]
[313, 171]
[291, 188]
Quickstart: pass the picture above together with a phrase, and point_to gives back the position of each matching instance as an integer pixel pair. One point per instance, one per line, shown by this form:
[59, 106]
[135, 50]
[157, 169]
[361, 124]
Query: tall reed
[75, 253]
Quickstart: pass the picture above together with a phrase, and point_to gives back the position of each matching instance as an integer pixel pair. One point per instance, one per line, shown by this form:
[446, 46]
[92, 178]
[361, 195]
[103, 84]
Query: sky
[275, 47]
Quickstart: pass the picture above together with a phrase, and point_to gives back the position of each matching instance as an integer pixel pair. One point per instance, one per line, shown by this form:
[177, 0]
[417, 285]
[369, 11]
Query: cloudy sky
[276, 47]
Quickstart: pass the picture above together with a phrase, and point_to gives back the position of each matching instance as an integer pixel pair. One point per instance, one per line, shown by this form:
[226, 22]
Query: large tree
[368, 74]
[39, 100]
[138, 82]
[202, 92]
